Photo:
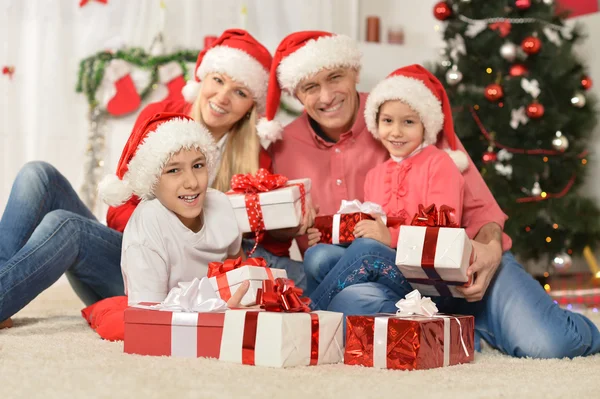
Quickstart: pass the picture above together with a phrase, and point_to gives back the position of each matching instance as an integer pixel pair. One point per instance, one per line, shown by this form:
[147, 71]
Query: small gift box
[268, 201]
[433, 253]
[417, 338]
[226, 277]
[339, 228]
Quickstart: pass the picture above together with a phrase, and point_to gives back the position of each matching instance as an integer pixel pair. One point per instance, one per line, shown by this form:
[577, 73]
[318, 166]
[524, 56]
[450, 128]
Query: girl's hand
[314, 236]
[374, 229]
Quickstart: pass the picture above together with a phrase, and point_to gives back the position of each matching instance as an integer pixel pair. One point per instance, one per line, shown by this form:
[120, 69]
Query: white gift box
[283, 339]
[281, 208]
[227, 284]
[452, 257]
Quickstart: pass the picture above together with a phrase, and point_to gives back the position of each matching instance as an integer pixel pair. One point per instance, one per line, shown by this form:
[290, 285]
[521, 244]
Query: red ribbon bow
[84, 2]
[8, 70]
[282, 295]
[502, 27]
[220, 268]
[261, 182]
[430, 217]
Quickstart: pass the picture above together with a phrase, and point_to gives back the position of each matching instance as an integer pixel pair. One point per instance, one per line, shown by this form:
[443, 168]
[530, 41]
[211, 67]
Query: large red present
[226, 277]
[433, 253]
[409, 342]
[266, 201]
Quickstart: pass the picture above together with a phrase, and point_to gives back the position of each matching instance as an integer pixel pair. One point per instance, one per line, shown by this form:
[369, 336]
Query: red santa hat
[300, 56]
[241, 57]
[425, 94]
[148, 150]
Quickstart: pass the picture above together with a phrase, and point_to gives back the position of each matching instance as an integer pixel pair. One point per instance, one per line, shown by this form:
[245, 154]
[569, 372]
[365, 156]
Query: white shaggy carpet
[52, 353]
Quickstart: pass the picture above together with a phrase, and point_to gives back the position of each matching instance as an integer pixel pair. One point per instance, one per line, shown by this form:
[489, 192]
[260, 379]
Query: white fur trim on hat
[412, 92]
[460, 159]
[317, 54]
[190, 90]
[151, 156]
[269, 130]
[239, 66]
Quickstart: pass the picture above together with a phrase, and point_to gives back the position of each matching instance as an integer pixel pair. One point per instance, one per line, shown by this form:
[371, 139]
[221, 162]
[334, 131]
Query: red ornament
[531, 45]
[535, 110]
[489, 156]
[586, 82]
[8, 70]
[523, 4]
[442, 11]
[518, 70]
[494, 92]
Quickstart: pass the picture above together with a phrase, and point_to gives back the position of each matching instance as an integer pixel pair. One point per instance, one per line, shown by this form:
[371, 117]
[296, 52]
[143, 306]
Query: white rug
[52, 353]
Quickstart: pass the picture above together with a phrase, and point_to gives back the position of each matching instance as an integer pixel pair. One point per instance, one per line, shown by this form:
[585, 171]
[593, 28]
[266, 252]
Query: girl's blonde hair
[241, 151]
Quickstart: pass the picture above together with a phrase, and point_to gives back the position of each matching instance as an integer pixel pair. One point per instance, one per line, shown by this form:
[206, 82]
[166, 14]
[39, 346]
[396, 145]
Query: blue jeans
[294, 269]
[332, 268]
[516, 315]
[46, 231]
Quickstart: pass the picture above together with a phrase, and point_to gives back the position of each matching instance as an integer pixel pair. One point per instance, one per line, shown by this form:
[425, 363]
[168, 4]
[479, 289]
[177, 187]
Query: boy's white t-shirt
[159, 252]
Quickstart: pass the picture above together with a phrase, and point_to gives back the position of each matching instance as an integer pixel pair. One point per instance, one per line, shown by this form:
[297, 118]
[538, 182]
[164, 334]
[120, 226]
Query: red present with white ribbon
[266, 201]
[226, 277]
[339, 228]
[433, 253]
[416, 338]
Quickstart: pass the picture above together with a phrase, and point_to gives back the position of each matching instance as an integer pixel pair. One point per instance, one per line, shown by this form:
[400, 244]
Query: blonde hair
[241, 151]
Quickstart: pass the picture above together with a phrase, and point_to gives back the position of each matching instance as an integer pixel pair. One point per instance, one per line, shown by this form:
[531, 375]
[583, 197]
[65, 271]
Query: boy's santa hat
[425, 94]
[148, 150]
[299, 56]
[241, 57]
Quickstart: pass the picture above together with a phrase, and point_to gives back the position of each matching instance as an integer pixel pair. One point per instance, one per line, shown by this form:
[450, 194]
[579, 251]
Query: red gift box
[409, 342]
[181, 334]
[345, 224]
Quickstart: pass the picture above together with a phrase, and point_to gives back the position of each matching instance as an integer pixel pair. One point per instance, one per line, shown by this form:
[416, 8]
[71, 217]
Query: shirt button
[337, 150]
[338, 182]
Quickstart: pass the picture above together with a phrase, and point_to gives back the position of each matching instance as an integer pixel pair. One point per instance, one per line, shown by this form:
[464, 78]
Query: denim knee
[317, 256]
[36, 171]
[53, 220]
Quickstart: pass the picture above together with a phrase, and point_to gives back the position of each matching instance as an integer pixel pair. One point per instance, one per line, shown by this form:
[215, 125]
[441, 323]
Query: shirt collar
[417, 150]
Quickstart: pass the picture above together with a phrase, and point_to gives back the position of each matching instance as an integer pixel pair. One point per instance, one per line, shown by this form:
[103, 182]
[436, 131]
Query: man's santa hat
[241, 57]
[148, 150]
[299, 56]
[425, 94]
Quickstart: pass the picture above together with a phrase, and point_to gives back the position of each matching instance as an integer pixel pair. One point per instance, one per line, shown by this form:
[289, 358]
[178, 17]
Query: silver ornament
[578, 100]
[454, 76]
[536, 191]
[562, 262]
[548, 2]
[508, 51]
[560, 142]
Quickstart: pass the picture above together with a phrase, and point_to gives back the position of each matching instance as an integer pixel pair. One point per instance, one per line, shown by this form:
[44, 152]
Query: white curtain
[41, 115]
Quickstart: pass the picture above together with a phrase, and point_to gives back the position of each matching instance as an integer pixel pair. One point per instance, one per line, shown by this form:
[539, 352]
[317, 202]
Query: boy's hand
[314, 236]
[374, 229]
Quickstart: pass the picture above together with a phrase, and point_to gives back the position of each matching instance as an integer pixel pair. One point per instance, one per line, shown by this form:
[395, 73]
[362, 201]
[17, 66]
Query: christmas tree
[521, 109]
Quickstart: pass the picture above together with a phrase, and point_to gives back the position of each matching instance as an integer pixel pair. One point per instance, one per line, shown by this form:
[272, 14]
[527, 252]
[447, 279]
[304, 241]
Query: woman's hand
[374, 229]
[314, 236]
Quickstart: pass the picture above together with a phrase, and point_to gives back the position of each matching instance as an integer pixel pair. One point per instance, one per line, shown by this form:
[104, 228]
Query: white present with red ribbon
[226, 277]
[434, 258]
[266, 201]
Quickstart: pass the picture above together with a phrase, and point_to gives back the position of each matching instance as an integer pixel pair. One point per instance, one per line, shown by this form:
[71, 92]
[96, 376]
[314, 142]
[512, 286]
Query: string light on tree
[578, 100]
[442, 11]
[560, 142]
[531, 45]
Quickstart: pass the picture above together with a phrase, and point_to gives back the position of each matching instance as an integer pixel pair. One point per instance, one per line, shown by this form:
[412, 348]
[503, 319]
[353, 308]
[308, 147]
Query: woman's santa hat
[241, 57]
[148, 150]
[425, 94]
[299, 56]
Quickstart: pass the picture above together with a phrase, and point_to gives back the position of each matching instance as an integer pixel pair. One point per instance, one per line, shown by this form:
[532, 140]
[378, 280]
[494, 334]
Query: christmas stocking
[171, 76]
[120, 95]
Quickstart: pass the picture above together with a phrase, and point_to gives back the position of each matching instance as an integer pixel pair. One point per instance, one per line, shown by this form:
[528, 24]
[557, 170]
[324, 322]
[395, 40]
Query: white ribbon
[475, 28]
[354, 206]
[518, 116]
[503, 170]
[531, 86]
[413, 303]
[504, 155]
[457, 46]
[552, 36]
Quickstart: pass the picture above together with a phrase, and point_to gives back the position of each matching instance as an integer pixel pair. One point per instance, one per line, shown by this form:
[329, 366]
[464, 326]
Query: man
[330, 144]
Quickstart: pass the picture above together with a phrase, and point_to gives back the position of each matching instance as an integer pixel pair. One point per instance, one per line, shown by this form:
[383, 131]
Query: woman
[46, 230]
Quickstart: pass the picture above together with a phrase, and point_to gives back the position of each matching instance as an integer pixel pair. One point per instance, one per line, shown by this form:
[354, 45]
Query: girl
[46, 230]
[406, 111]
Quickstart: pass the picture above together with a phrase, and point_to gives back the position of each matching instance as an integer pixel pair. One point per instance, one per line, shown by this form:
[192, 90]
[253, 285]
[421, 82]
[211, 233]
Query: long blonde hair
[241, 151]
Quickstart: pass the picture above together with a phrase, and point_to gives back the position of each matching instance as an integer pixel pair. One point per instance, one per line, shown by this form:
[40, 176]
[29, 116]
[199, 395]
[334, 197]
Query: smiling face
[223, 102]
[330, 98]
[400, 128]
[181, 187]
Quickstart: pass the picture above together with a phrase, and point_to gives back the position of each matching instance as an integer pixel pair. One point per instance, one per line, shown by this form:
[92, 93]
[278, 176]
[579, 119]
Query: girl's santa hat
[148, 150]
[425, 94]
[299, 56]
[241, 57]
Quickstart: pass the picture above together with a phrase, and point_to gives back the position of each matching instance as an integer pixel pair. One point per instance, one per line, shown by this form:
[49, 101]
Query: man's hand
[487, 258]
[307, 222]
[314, 236]
[374, 229]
